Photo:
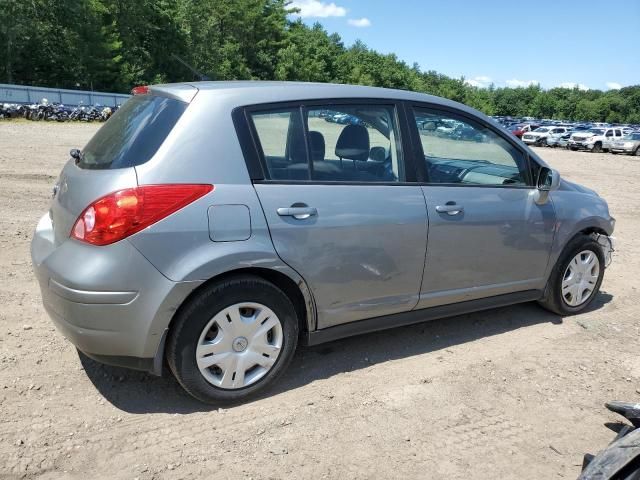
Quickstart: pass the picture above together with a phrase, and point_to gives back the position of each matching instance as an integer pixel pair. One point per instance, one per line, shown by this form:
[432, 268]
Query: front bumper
[578, 144]
[608, 244]
[110, 302]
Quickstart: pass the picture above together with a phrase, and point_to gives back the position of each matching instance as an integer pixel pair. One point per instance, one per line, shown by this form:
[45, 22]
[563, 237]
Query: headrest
[316, 141]
[379, 154]
[353, 143]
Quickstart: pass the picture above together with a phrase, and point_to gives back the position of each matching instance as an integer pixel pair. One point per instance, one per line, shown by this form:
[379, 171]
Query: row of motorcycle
[56, 112]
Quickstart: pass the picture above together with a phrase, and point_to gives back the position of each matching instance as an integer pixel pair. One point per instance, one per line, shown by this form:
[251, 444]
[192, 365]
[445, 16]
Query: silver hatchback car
[212, 227]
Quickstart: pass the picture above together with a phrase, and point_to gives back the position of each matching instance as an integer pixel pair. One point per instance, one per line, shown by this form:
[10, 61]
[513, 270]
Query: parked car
[630, 144]
[466, 132]
[521, 129]
[595, 140]
[216, 225]
[447, 127]
[539, 136]
[558, 140]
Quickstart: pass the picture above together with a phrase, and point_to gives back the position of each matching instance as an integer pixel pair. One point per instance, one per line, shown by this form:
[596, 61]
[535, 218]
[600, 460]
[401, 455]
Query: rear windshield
[134, 133]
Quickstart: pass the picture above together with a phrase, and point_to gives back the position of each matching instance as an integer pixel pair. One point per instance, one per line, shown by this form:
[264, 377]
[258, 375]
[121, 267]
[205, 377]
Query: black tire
[597, 148]
[637, 152]
[192, 318]
[553, 299]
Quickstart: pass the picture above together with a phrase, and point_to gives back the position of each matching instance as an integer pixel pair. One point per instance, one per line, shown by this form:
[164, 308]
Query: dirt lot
[509, 393]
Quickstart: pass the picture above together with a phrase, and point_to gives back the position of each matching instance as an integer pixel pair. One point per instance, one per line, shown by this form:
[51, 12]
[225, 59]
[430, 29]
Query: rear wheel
[232, 340]
[576, 277]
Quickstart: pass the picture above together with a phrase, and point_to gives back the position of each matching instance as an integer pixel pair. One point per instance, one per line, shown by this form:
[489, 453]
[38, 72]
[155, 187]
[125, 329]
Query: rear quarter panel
[204, 148]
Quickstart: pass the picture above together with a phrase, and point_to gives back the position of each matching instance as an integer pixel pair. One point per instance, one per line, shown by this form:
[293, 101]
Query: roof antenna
[201, 76]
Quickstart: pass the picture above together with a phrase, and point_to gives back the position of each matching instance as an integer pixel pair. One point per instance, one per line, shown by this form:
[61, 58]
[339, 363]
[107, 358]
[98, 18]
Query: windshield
[596, 131]
[133, 134]
[541, 129]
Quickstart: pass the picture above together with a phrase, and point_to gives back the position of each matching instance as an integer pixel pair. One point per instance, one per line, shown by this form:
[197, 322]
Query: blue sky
[589, 43]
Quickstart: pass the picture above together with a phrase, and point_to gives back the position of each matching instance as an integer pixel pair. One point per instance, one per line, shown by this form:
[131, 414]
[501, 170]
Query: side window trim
[304, 115]
[419, 155]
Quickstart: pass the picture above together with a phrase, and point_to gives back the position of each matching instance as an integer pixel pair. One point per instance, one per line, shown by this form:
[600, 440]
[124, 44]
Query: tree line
[112, 45]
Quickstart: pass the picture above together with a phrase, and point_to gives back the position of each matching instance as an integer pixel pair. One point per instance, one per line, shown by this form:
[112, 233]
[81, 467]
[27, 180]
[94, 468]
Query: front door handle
[299, 213]
[450, 208]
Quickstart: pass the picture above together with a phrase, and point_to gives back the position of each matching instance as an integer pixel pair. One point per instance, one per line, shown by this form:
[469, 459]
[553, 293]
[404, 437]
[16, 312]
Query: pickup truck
[539, 136]
[595, 140]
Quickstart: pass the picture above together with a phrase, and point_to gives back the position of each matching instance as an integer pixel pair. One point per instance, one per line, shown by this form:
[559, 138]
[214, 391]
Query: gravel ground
[508, 393]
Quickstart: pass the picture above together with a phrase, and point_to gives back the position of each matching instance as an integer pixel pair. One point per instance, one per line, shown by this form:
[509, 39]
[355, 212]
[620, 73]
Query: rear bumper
[110, 302]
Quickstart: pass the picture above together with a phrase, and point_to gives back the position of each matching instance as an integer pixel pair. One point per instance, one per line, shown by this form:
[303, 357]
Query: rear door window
[133, 134]
[331, 143]
[354, 143]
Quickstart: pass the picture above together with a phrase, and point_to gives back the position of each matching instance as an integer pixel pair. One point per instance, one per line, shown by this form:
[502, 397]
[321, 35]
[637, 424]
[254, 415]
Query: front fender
[577, 212]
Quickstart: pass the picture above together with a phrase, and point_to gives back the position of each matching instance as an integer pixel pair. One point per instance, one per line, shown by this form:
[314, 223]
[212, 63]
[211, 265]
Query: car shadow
[139, 392]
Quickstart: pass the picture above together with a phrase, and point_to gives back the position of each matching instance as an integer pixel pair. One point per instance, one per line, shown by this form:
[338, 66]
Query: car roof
[250, 92]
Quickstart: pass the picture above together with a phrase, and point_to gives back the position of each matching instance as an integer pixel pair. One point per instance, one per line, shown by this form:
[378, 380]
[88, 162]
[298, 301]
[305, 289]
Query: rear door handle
[299, 213]
[450, 208]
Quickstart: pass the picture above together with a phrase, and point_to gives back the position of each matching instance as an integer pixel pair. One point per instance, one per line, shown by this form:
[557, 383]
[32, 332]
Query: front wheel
[232, 340]
[597, 148]
[637, 152]
[575, 280]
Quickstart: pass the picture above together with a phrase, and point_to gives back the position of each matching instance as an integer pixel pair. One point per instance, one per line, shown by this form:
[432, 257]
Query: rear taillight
[125, 212]
[140, 90]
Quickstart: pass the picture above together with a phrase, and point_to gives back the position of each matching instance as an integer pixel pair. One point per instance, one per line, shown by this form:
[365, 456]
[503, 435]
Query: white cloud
[579, 86]
[613, 85]
[359, 22]
[317, 9]
[514, 83]
[481, 81]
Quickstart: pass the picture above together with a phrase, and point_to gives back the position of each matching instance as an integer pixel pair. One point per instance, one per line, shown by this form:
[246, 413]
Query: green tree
[117, 44]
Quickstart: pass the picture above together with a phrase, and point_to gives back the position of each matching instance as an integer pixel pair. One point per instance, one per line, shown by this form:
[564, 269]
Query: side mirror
[548, 180]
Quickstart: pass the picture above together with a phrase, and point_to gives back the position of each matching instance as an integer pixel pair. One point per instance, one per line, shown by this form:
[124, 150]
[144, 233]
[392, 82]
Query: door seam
[426, 246]
[314, 322]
